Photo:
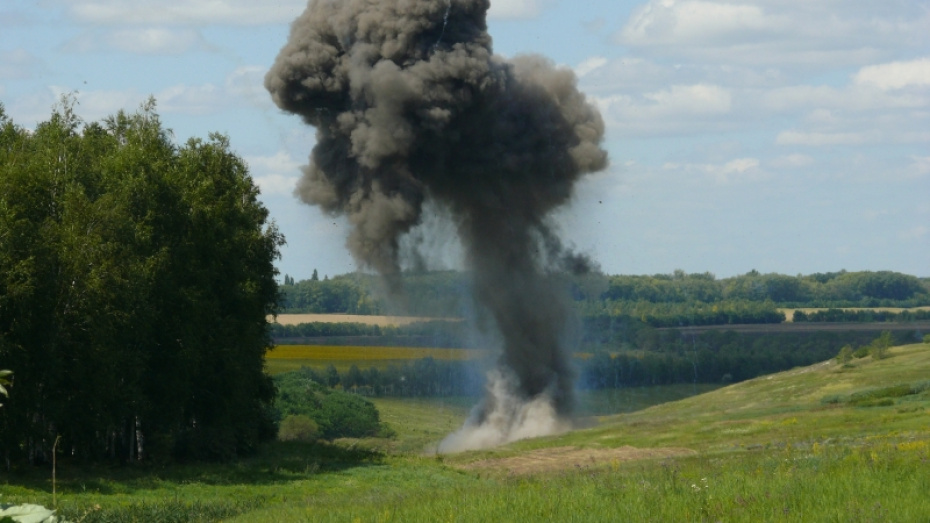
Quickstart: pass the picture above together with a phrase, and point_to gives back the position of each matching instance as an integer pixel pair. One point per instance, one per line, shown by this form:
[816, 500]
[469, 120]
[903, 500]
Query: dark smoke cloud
[411, 105]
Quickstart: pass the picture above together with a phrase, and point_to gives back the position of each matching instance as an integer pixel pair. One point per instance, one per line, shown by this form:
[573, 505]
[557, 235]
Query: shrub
[846, 354]
[879, 347]
[927, 339]
[337, 414]
[298, 428]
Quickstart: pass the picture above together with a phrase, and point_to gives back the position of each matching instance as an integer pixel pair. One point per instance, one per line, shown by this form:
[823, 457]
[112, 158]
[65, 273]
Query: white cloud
[796, 33]
[589, 65]
[517, 8]
[792, 161]
[281, 162]
[737, 170]
[276, 184]
[678, 109]
[184, 12]
[151, 41]
[192, 99]
[896, 75]
[670, 22]
[692, 99]
[821, 138]
[275, 175]
[247, 82]
[155, 40]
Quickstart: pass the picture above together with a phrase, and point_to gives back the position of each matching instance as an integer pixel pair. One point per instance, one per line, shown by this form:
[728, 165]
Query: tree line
[670, 358]
[451, 334]
[135, 279]
[424, 377]
[661, 300]
[860, 316]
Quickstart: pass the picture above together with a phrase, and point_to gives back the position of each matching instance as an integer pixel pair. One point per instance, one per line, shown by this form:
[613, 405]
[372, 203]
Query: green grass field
[822, 443]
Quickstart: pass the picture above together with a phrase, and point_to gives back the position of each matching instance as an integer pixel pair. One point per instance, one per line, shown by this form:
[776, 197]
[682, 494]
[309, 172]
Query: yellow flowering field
[290, 357]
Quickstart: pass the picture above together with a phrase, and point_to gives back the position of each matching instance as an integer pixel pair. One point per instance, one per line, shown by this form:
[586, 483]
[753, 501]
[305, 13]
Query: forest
[135, 279]
[662, 300]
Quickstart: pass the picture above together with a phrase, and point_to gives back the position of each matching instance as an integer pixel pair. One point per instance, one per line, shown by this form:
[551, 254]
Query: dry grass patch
[789, 313]
[557, 459]
[381, 321]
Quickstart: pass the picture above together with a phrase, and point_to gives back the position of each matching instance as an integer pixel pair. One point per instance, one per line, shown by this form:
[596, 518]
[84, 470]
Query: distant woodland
[661, 300]
[631, 330]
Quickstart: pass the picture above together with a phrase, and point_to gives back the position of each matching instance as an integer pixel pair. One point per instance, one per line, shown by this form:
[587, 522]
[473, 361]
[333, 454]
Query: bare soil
[558, 459]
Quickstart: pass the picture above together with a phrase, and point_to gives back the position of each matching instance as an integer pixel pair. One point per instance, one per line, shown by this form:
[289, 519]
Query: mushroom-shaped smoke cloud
[411, 105]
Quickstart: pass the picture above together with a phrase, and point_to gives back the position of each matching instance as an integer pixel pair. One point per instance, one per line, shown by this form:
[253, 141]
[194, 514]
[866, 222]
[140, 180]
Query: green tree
[141, 273]
[878, 349]
[845, 355]
[5, 382]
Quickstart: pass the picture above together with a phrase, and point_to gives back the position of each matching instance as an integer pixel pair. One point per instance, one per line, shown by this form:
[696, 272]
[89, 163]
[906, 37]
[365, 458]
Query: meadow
[828, 442]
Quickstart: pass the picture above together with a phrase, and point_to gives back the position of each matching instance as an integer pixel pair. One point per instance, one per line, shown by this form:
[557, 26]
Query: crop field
[789, 313]
[381, 321]
[828, 442]
[284, 358]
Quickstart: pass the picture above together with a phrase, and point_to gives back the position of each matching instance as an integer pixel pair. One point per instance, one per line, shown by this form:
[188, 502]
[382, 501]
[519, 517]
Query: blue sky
[788, 136]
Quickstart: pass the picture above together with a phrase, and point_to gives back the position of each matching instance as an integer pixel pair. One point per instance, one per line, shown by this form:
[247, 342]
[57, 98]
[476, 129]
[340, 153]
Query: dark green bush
[298, 428]
[337, 414]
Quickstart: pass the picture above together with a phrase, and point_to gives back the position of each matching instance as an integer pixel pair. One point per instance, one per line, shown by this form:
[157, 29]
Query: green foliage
[429, 294]
[860, 316]
[141, 273]
[424, 377]
[862, 352]
[879, 397]
[762, 451]
[878, 349]
[927, 339]
[337, 414]
[845, 355]
[418, 334]
[667, 357]
[298, 427]
[5, 382]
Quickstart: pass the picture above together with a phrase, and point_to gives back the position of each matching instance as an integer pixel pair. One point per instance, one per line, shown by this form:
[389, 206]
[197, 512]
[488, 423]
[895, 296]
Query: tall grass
[770, 449]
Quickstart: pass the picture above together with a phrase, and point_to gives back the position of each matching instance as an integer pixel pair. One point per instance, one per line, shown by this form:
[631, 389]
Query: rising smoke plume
[411, 105]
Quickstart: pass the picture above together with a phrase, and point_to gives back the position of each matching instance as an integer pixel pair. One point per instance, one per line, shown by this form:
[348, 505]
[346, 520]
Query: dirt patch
[571, 458]
[381, 321]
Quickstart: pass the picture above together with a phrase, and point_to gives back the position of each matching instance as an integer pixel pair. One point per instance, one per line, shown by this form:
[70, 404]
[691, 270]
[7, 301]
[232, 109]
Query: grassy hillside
[821, 443]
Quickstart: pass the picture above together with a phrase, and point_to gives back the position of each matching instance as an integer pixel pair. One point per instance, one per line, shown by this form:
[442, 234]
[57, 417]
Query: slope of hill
[825, 402]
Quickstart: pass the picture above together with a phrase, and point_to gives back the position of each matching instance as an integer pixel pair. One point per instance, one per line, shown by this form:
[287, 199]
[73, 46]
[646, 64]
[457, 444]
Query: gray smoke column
[411, 105]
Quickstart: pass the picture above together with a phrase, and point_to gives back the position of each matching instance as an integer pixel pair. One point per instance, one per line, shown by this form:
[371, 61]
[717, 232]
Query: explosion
[412, 107]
